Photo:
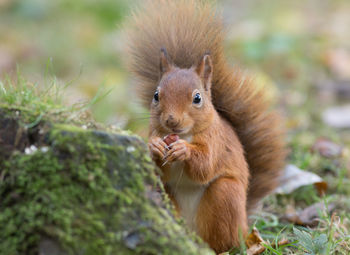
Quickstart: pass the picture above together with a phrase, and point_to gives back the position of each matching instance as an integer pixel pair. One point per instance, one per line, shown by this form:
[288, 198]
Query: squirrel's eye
[156, 96]
[197, 98]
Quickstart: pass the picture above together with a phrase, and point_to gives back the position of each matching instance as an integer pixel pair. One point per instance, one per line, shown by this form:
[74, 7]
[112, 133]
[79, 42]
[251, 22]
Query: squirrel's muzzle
[172, 122]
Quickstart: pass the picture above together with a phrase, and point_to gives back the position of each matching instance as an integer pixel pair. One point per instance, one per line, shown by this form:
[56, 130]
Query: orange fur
[227, 138]
[222, 218]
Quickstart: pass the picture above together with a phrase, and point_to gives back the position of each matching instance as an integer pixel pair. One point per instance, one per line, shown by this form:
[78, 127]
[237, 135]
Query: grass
[45, 100]
[331, 235]
[282, 49]
[23, 94]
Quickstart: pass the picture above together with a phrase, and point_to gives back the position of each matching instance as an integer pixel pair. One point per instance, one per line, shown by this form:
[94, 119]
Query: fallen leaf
[331, 90]
[338, 117]
[253, 238]
[326, 148]
[283, 241]
[309, 217]
[256, 249]
[254, 242]
[321, 188]
[294, 178]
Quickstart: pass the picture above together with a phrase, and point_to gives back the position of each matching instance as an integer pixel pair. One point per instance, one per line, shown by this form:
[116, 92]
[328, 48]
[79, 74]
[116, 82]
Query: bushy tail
[188, 29]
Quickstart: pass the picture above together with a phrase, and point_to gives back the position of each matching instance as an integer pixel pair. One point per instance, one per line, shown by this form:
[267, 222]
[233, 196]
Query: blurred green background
[300, 49]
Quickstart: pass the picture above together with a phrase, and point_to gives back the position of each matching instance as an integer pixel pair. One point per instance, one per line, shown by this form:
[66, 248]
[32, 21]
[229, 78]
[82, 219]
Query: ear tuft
[164, 64]
[205, 70]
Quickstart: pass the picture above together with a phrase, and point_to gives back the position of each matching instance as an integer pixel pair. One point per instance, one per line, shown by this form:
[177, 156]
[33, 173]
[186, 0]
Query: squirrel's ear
[205, 71]
[164, 64]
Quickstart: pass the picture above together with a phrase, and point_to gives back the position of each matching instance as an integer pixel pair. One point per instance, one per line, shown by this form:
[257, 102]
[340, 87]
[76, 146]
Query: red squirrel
[230, 147]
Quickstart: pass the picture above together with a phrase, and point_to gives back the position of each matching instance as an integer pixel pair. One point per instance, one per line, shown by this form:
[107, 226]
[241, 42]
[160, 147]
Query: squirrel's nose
[172, 122]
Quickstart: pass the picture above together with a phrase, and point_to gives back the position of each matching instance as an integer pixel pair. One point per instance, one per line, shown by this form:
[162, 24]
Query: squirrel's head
[182, 101]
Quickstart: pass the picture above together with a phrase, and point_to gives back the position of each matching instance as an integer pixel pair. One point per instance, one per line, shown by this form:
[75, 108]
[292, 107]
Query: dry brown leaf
[309, 216]
[326, 148]
[256, 249]
[283, 241]
[321, 187]
[254, 242]
[253, 238]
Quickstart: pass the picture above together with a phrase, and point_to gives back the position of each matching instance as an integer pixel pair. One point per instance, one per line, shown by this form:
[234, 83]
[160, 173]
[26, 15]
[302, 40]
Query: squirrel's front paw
[157, 148]
[179, 151]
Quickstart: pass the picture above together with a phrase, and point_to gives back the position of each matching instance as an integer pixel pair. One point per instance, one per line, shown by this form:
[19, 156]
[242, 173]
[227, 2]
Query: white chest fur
[186, 192]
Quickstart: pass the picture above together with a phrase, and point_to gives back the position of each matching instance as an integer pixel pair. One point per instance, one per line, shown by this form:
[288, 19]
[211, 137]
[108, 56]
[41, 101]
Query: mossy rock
[70, 190]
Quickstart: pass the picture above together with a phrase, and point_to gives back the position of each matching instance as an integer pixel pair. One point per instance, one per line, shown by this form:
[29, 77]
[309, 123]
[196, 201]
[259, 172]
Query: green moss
[92, 192]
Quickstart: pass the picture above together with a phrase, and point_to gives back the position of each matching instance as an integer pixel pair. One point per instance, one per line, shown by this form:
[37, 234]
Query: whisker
[178, 180]
[143, 118]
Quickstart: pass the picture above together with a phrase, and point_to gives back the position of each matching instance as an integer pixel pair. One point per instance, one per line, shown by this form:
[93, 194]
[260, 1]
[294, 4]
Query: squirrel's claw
[157, 148]
[179, 151]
